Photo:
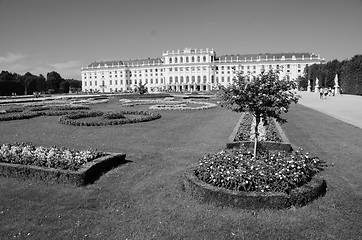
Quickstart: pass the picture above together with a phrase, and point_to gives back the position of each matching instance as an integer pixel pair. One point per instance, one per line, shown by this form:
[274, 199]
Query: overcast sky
[40, 36]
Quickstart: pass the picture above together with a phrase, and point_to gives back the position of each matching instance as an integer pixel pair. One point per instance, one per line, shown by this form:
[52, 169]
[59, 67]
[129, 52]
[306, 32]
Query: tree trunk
[256, 133]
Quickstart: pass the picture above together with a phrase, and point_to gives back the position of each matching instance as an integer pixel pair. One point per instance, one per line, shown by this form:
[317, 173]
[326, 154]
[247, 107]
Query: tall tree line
[349, 74]
[13, 83]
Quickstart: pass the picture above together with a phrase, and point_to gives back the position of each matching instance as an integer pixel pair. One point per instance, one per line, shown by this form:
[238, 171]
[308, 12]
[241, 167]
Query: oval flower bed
[271, 180]
[107, 118]
[19, 113]
[55, 165]
[183, 107]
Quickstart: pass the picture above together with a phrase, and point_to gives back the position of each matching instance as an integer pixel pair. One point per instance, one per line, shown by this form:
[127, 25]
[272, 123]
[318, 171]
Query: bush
[239, 170]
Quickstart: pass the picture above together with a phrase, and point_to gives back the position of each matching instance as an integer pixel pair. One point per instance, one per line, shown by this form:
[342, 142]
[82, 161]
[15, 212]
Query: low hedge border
[88, 173]
[72, 119]
[206, 193]
[285, 145]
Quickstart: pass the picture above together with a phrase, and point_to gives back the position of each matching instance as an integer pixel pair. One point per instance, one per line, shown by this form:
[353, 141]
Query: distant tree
[351, 76]
[266, 96]
[40, 84]
[64, 86]
[53, 81]
[141, 88]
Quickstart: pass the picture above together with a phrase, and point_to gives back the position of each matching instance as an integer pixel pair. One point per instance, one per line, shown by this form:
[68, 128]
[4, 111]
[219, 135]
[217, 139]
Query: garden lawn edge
[207, 193]
[283, 146]
[88, 173]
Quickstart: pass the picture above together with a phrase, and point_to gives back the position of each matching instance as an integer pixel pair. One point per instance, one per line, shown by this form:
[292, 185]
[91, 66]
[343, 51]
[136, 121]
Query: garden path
[347, 108]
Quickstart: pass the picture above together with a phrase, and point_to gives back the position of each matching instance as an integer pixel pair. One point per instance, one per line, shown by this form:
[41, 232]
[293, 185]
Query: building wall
[189, 70]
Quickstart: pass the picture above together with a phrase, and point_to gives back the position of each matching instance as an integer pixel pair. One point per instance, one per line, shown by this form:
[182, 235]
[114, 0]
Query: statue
[316, 87]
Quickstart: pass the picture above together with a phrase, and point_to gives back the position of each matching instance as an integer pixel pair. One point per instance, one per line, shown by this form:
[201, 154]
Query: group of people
[324, 92]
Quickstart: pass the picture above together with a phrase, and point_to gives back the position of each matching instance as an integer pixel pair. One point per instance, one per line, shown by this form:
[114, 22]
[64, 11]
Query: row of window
[192, 59]
[152, 81]
[193, 78]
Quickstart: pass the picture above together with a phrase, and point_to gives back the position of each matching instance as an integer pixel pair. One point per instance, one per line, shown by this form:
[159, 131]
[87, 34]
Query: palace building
[189, 70]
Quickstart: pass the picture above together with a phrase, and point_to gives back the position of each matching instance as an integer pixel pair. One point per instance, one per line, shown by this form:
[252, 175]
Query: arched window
[192, 59]
[198, 79]
[204, 58]
[170, 80]
[193, 79]
[181, 79]
[187, 59]
[187, 79]
[204, 79]
[198, 58]
[212, 79]
[175, 59]
[176, 79]
[170, 60]
[181, 59]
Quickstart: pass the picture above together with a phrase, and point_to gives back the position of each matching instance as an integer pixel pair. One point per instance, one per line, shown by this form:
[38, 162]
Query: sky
[40, 36]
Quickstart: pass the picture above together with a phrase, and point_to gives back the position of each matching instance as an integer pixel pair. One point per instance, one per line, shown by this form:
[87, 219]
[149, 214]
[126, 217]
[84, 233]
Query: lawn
[144, 198]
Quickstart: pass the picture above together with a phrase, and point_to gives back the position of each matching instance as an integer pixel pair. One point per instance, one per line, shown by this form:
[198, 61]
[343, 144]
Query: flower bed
[55, 165]
[109, 119]
[273, 138]
[272, 180]
[27, 113]
[182, 107]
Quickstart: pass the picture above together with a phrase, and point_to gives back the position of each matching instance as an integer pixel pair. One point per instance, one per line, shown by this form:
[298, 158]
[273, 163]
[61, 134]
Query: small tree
[141, 88]
[264, 96]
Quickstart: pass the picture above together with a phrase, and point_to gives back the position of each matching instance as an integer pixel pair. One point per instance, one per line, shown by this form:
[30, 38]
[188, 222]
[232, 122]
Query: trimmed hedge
[73, 119]
[87, 174]
[207, 193]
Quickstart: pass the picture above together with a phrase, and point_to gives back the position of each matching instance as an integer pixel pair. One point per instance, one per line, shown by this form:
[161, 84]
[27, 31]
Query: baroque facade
[189, 70]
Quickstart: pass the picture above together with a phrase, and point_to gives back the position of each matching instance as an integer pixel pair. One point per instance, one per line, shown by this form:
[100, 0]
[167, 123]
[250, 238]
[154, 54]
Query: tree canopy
[264, 96]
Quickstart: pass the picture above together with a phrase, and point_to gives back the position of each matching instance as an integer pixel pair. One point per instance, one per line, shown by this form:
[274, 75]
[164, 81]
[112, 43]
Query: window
[193, 59]
[228, 79]
[110, 82]
[193, 69]
[116, 83]
[222, 79]
[193, 79]
[198, 58]
[181, 68]
[204, 58]
[170, 69]
[170, 80]
[175, 59]
[181, 79]
[222, 68]
[204, 79]
[90, 83]
[288, 65]
[298, 65]
[175, 68]
[85, 83]
[187, 69]
[198, 79]
[187, 59]
[176, 79]
[187, 79]
[181, 59]
[170, 60]
[95, 83]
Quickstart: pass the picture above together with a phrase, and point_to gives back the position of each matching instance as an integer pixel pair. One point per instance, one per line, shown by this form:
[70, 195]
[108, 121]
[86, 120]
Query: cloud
[11, 58]
[71, 64]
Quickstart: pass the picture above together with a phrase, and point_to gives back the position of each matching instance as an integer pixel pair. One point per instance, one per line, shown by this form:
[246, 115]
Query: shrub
[239, 170]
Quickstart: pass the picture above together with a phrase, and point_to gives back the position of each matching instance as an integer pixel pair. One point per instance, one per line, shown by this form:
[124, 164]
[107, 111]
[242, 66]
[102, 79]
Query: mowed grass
[144, 199]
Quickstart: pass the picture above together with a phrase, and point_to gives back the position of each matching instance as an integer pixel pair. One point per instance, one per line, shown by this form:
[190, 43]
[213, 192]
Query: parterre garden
[157, 151]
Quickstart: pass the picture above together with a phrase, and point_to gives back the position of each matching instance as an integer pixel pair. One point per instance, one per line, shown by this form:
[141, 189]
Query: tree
[141, 88]
[264, 96]
[351, 76]
[53, 81]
